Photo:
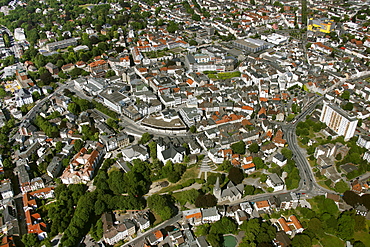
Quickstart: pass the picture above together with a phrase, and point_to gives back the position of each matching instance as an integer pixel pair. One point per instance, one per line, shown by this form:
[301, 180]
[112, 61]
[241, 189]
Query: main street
[308, 183]
[140, 238]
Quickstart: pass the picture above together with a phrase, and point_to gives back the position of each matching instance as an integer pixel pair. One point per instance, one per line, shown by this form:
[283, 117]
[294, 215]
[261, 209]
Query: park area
[222, 75]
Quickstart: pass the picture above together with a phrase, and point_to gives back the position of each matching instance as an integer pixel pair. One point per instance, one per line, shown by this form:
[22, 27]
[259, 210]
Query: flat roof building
[61, 44]
[338, 120]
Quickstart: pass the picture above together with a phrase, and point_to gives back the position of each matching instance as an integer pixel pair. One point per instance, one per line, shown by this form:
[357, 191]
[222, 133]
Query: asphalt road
[308, 183]
[169, 222]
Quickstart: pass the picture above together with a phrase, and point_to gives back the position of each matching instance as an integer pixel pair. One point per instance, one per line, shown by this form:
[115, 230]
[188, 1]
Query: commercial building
[320, 25]
[61, 44]
[252, 45]
[338, 120]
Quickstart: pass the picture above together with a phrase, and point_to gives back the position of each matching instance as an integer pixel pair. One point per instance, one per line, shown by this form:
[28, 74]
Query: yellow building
[321, 25]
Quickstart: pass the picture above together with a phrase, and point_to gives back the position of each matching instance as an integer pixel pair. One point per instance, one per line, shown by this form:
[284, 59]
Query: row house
[27, 184]
[112, 142]
[34, 223]
[114, 231]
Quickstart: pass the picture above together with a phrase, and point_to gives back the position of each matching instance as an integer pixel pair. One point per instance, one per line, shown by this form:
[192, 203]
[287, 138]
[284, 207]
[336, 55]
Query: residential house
[53, 69]
[247, 207]
[6, 189]
[262, 205]
[287, 201]
[113, 231]
[7, 241]
[155, 237]
[27, 184]
[44, 193]
[27, 129]
[112, 142]
[363, 141]
[291, 226]
[210, 215]
[275, 182]
[278, 139]
[98, 68]
[143, 221]
[241, 216]
[193, 216]
[279, 159]
[114, 99]
[137, 151]
[268, 148]
[54, 167]
[23, 97]
[61, 44]
[249, 168]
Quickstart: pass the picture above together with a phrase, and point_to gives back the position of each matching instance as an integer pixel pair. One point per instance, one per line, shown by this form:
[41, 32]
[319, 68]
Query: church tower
[217, 189]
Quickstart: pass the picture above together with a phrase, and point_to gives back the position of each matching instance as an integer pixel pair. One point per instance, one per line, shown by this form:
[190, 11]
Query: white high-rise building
[338, 120]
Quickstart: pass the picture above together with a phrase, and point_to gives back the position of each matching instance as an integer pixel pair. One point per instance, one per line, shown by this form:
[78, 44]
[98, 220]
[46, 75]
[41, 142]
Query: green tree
[46, 78]
[239, 147]
[78, 144]
[249, 190]
[358, 243]
[287, 153]
[30, 240]
[161, 205]
[193, 42]
[351, 198]
[360, 223]
[73, 108]
[348, 106]
[345, 95]
[224, 166]
[346, 226]
[110, 73]
[172, 27]
[153, 149]
[195, 17]
[214, 240]
[3, 93]
[301, 240]
[258, 162]
[254, 148]
[145, 138]
[341, 186]
[206, 201]
[202, 230]
[236, 175]
[290, 117]
[58, 146]
[62, 75]
[224, 226]
[193, 129]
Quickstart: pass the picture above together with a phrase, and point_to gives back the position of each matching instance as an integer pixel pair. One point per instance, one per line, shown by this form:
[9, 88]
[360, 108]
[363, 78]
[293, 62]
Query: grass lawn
[86, 5]
[363, 237]
[330, 241]
[191, 173]
[322, 184]
[255, 175]
[224, 75]
[158, 219]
